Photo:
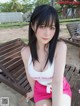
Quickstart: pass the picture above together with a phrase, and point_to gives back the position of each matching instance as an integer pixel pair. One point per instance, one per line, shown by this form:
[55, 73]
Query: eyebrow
[52, 25]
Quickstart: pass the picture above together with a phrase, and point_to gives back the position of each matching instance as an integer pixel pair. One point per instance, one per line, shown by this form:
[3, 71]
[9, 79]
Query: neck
[42, 47]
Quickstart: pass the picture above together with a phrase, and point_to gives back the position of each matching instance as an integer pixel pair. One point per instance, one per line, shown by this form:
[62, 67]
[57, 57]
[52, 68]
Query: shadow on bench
[12, 71]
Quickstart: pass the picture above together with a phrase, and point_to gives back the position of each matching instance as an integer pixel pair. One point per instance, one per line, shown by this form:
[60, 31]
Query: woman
[44, 59]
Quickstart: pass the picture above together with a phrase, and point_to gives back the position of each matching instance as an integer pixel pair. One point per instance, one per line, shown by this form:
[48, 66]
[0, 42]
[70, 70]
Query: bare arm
[25, 53]
[57, 83]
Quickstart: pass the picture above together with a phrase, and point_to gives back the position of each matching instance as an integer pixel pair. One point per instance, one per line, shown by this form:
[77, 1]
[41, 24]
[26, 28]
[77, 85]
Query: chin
[45, 42]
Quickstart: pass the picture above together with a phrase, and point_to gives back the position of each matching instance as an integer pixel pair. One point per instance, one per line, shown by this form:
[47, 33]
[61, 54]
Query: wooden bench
[72, 74]
[74, 38]
[13, 74]
[11, 66]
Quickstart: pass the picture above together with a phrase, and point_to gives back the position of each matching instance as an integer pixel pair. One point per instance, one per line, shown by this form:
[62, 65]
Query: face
[44, 33]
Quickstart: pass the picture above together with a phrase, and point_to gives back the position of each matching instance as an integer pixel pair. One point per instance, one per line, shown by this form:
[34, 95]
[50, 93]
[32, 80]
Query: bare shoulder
[25, 52]
[61, 47]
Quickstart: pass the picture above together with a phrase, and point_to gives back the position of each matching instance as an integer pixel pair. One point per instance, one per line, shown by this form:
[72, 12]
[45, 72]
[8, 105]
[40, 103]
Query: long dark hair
[43, 14]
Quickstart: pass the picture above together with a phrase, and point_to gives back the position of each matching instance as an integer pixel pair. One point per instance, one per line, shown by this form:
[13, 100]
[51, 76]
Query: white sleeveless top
[44, 77]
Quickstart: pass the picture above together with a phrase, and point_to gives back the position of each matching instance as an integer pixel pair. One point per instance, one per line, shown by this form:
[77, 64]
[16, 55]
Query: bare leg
[46, 102]
[66, 100]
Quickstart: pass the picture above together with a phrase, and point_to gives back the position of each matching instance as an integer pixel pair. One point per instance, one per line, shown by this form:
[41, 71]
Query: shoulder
[25, 52]
[61, 47]
[25, 49]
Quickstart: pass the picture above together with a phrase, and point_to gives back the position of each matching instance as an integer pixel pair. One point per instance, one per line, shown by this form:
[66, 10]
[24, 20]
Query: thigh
[46, 102]
[66, 100]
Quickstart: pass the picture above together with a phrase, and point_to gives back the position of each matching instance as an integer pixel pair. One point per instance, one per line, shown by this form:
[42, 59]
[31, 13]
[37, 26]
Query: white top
[44, 77]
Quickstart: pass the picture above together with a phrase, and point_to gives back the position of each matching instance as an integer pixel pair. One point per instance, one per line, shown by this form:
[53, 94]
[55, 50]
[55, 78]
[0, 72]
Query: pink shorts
[40, 91]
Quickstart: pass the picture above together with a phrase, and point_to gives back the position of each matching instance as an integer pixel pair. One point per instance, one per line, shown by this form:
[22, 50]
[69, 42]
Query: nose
[47, 31]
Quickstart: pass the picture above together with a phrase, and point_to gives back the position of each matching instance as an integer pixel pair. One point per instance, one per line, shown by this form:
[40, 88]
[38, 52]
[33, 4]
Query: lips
[45, 38]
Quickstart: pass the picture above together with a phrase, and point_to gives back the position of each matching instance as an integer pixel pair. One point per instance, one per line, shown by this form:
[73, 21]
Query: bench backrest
[12, 65]
[72, 28]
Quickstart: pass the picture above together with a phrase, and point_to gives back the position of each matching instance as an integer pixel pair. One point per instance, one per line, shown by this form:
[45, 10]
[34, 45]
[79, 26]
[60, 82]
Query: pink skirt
[40, 91]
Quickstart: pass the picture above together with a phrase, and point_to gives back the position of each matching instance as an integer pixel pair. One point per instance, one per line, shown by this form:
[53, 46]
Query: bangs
[46, 19]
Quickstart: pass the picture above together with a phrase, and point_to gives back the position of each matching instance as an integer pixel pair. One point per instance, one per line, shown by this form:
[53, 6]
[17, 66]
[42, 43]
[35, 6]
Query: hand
[29, 95]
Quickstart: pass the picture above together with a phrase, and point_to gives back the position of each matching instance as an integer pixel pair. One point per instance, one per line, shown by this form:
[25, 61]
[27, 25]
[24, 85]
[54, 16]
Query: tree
[28, 5]
[15, 6]
[39, 2]
[5, 7]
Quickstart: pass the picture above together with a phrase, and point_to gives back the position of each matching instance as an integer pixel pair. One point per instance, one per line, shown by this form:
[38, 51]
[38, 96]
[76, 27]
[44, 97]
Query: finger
[27, 100]
[28, 97]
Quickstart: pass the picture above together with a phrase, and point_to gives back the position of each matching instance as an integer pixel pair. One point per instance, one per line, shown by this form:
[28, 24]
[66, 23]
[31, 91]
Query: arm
[59, 66]
[25, 53]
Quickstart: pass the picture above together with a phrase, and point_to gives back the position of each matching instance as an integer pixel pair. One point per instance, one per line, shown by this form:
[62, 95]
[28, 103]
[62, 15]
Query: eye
[52, 27]
[42, 26]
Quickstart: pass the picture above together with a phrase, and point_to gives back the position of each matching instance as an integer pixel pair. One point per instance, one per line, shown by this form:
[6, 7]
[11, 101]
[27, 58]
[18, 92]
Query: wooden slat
[72, 28]
[24, 83]
[16, 49]
[6, 72]
[8, 43]
[22, 80]
[22, 70]
[67, 68]
[21, 76]
[10, 58]
[70, 73]
[7, 47]
[11, 62]
[70, 41]
[16, 70]
[27, 87]
[14, 65]
[6, 51]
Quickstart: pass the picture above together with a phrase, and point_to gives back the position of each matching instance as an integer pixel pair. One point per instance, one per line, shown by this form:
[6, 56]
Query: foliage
[5, 7]
[26, 5]
[58, 8]
[39, 2]
[13, 6]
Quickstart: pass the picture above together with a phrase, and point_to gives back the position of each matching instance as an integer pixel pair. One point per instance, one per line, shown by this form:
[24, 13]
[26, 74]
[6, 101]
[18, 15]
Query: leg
[66, 100]
[46, 102]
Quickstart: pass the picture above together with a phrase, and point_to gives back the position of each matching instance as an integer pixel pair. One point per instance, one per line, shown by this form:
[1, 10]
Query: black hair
[43, 14]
